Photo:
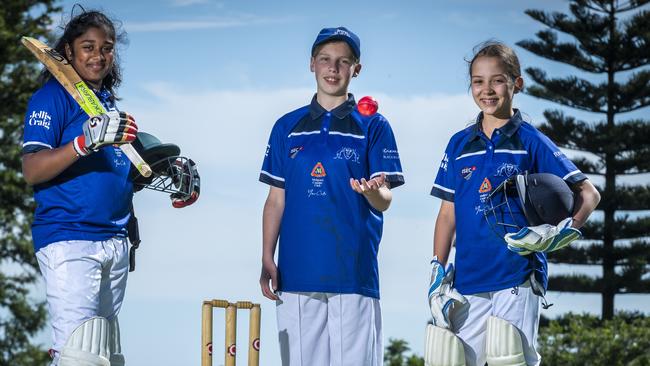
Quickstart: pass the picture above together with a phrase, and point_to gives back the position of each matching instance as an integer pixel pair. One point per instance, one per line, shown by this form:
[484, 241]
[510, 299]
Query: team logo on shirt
[294, 151]
[40, 118]
[486, 186]
[318, 171]
[467, 172]
[348, 153]
[507, 170]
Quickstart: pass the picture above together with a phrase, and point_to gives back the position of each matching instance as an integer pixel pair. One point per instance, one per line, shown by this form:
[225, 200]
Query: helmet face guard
[542, 198]
[170, 171]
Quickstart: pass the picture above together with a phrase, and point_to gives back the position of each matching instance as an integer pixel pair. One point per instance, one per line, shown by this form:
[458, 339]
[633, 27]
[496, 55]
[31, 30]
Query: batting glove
[106, 129]
[442, 295]
[543, 238]
[188, 183]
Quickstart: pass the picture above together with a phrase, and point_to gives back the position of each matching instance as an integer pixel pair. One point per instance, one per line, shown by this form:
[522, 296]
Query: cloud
[241, 20]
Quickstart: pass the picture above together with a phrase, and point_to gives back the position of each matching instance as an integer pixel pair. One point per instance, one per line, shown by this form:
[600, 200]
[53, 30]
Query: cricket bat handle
[136, 159]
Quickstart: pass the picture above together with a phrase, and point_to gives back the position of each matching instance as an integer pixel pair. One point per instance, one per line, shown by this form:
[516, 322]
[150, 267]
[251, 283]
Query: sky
[213, 77]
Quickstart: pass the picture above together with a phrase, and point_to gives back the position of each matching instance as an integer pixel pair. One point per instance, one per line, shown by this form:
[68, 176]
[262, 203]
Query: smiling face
[492, 88]
[91, 54]
[334, 66]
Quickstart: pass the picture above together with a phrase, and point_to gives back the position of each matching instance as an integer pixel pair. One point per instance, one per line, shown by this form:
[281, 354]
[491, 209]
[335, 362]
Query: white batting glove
[442, 295]
[106, 129]
[543, 238]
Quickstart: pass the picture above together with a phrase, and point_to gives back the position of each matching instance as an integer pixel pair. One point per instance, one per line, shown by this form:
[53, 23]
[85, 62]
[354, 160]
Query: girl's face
[91, 54]
[492, 88]
[334, 67]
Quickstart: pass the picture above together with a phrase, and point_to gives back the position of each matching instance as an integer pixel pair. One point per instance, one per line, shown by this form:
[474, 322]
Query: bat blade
[67, 76]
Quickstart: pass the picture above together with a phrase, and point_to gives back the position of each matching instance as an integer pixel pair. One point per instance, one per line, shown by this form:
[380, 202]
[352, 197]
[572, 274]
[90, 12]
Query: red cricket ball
[367, 106]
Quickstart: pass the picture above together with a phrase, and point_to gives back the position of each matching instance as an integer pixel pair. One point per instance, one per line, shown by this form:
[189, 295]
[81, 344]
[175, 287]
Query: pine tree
[610, 40]
[20, 317]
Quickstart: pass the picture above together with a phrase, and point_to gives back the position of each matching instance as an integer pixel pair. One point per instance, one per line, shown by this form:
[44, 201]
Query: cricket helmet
[543, 198]
[169, 169]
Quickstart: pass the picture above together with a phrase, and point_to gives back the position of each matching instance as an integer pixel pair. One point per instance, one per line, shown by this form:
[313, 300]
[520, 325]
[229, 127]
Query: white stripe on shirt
[347, 135]
[303, 133]
[571, 174]
[471, 154]
[272, 176]
[36, 143]
[444, 188]
[514, 152]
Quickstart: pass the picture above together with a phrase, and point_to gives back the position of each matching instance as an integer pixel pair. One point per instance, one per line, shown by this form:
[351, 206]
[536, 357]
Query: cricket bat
[87, 100]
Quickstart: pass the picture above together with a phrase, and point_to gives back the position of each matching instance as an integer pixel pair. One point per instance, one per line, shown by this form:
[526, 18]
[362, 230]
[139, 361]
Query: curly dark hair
[77, 26]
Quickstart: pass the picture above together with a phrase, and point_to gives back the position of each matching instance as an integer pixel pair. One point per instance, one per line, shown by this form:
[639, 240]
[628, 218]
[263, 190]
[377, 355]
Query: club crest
[318, 171]
[486, 186]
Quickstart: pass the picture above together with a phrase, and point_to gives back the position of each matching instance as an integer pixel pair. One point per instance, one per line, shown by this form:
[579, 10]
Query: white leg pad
[442, 348]
[503, 344]
[87, 345]
[117, 359]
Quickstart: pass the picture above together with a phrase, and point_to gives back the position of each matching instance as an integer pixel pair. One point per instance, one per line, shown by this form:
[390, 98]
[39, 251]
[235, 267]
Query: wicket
[231, 331]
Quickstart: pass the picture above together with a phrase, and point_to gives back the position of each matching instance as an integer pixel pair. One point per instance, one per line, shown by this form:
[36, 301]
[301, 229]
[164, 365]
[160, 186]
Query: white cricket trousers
[518, 305]
[328, 329]
[83, 279]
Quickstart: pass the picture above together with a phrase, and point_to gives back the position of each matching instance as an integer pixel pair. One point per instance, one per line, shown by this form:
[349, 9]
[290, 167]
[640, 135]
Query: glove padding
[188, 181]
[106, 129]
[543, 238]
[442, 294]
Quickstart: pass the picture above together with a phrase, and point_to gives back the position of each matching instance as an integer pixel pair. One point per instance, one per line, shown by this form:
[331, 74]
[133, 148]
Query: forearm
[587, 198]
[42, 166]
[380, 199]
[445, 230]
[271, 220]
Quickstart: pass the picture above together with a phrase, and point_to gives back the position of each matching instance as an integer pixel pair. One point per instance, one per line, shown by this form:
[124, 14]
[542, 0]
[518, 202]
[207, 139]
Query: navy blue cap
[339, 33]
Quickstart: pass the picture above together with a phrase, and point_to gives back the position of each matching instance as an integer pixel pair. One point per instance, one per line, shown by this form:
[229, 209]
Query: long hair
[76, 27]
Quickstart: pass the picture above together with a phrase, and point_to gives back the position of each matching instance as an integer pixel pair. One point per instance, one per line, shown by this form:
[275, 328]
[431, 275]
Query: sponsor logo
[348, 153]
[91, 103]
[507, 170]
[390, 154]
[467, 172]
[268, 149]
[95, 121]
[318, 171]
[294, 151]
[558, 154]
[342, 33]
[486, 186]
[41, 118]
[444, 162]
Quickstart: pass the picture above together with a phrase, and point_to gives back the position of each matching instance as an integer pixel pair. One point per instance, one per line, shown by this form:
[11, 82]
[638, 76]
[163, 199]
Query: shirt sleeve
[44, 121]
[550, 159]
[272, 172]
[444, 186]
[383, 156]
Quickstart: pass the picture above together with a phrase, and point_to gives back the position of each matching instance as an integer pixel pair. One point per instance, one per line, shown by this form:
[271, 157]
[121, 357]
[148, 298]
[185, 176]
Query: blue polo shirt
[89, 200]
[329, 235]
[474, 165]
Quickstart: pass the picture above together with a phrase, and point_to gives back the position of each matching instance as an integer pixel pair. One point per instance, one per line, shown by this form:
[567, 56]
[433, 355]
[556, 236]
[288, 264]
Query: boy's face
[334, 67]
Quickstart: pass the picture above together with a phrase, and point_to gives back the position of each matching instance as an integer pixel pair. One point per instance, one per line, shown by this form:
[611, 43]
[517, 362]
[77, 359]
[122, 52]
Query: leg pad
[442, 348]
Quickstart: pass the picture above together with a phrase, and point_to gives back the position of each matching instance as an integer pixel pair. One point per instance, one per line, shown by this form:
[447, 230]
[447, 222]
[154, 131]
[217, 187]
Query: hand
[442, 295]
[269, 274]
[188, 182]
[368, 187]
[543, 238]
[106, 129]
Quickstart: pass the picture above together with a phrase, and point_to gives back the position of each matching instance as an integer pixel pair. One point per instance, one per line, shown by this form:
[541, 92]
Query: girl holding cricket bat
[83, 191]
